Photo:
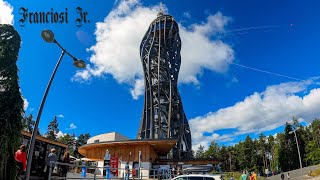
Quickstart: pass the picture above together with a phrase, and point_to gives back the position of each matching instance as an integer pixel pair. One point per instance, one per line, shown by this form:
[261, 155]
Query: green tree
[257, 156]
[313, 146]
[53, 129]
[262, 148]
[273, 152]
[240, 156]
[248, 153]
[232, 158]
[82, 139]
[224, 158]
[200, 152]
[212, 151]
[68, 140]
[288, 152]
[11, 102]
[28, 123]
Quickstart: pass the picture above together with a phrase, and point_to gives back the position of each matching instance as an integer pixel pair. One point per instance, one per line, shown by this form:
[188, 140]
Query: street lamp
[295, 135]
[48, 36]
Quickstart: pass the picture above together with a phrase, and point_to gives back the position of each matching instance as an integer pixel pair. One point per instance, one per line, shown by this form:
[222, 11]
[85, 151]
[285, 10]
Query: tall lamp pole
[48, 36]
[295, 135]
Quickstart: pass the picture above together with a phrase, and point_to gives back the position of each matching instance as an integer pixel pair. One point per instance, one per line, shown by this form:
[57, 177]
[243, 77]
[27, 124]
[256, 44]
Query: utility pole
[295, 135]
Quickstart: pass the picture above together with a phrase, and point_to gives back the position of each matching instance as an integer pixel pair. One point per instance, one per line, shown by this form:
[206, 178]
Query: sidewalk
[296, 174]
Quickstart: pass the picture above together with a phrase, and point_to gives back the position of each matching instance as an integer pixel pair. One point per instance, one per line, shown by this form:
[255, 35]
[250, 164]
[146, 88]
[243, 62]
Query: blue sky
[223, 100]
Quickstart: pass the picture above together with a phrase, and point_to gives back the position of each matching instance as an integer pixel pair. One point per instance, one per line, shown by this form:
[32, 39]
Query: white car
[199, 177]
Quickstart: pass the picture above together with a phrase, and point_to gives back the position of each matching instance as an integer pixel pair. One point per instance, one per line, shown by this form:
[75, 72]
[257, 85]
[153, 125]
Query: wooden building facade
[128, 150]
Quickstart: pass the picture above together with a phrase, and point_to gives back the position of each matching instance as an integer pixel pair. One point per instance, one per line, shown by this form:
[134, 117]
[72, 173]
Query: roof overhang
[160, 146]
[43, 139]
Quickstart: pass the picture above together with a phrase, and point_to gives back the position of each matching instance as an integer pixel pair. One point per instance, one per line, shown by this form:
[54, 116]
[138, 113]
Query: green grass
[315, 173]
[236, 176]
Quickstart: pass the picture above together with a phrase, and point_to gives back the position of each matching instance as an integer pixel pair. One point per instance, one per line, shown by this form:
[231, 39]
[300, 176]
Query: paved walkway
[296, 174]
[78, 176]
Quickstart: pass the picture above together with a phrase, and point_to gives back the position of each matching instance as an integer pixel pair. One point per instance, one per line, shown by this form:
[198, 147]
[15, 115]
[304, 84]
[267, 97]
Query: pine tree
[82, 139]
[200, 152]
[212, 151]
[313, 146]
[53, 129]
[69, 141]
[248, 152]
[28, 123]
[288, 155]
[11, 102]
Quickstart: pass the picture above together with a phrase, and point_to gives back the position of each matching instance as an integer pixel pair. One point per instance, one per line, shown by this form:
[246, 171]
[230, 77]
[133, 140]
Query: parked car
[197, 169]
[199, 177]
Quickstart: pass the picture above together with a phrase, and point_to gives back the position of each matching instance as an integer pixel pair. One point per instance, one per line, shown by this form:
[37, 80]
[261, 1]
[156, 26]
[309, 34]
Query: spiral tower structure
[163, 116]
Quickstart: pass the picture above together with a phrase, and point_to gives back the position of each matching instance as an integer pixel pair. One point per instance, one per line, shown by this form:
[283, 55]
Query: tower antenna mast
[160, 13]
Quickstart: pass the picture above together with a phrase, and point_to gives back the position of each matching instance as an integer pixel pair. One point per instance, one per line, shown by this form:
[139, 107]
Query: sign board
[114, 161]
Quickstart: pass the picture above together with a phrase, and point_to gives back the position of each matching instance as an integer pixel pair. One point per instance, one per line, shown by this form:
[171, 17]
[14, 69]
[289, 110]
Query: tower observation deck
[163, 116]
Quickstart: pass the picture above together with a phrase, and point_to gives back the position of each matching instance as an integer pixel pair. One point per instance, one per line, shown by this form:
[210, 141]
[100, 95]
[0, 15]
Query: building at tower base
[151, 153]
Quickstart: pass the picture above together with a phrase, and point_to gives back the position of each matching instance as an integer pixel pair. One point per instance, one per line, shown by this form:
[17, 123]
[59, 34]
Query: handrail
[165, 173]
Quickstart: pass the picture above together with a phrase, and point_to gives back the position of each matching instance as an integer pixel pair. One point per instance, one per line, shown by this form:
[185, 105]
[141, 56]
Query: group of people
[21, 160]
[253, 176]
[282, 176]
[250, 176]
[52, 157]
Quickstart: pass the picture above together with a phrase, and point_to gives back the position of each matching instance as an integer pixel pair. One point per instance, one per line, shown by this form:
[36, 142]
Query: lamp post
[48, 36]
[295, 135]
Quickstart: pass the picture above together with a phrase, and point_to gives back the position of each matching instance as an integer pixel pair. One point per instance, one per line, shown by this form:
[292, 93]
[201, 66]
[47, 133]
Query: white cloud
[187, 15]
[60, 116]
[72, 126]
[6, 16]
[198, 52]
[260, 112]
[60, 134]
[118, 39]
[25, 103]
[138, 89]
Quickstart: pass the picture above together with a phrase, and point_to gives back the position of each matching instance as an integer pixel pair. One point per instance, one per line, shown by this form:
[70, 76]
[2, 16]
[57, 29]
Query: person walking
[52, 157]
[244, 176]
[288, 176]
[126, 168]
[65, 168]
[172, 170]
[254, 176]
[251, 176]
[21, 158]
[282, 176]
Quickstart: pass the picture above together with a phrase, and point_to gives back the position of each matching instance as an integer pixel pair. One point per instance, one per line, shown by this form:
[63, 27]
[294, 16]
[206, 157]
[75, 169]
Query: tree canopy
[274, 152]
[11, 102]
[53, 129]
